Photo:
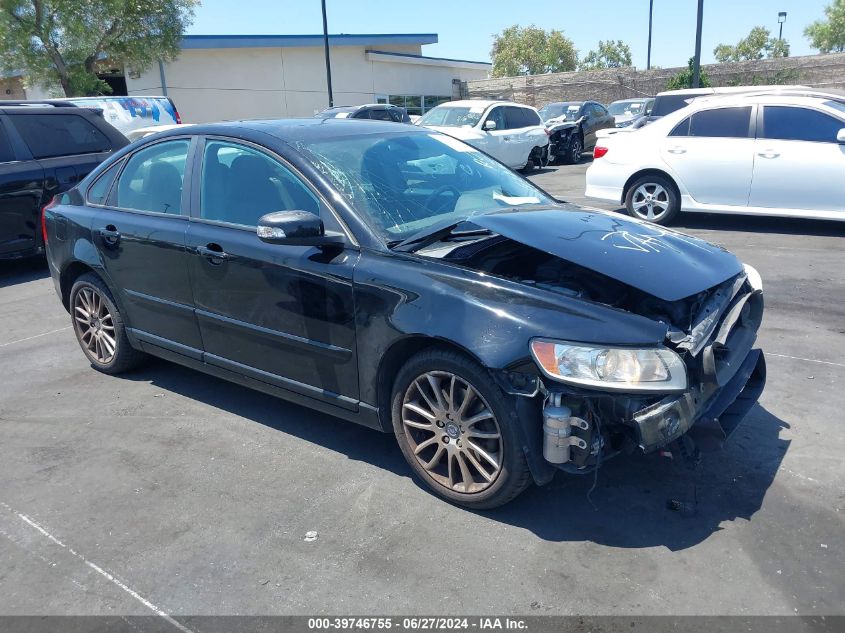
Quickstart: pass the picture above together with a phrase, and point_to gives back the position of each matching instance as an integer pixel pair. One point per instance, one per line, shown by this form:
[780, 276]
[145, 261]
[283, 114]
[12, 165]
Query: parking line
[809, 360]
[101, 571]
[29, 338]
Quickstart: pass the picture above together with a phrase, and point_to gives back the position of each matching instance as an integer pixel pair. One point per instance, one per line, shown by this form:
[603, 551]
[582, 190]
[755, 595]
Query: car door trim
[340, 353]
[166, 343]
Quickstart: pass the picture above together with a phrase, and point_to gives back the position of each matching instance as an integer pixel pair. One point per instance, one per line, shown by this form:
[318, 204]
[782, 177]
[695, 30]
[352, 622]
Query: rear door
[281, 314]
[798, 163]
[712, 153]
[21, 197]
[140, 234]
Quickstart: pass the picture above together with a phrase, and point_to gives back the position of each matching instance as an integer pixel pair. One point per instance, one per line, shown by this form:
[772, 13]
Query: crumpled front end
[726, 376]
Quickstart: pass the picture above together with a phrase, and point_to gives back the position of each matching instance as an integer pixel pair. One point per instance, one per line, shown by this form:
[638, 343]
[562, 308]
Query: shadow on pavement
[758, 224]
[20, 271]
[630, 496]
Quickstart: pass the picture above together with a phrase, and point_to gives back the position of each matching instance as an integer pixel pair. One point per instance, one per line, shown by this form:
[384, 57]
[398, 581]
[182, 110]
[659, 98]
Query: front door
[712, 153]
[798, 163]
[280, 314]
[497, 142]
[140, 234]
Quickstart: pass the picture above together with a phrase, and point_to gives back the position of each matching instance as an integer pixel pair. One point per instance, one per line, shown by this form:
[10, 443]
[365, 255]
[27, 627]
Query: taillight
[177, 117]
[599, 151]
[50, 205]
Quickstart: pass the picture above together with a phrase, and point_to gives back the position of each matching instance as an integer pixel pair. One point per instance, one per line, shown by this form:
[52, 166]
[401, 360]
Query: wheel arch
[396, 355]
[650, 171]
[73, 271]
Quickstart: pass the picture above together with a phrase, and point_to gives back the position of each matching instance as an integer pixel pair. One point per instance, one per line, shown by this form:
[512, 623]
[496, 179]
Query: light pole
[328, 59]
[696, 63]
[781, 20]
[650, 12]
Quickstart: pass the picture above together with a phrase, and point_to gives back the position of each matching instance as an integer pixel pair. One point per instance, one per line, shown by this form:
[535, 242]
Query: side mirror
[489, 125]
[296, 228]
[840, 136]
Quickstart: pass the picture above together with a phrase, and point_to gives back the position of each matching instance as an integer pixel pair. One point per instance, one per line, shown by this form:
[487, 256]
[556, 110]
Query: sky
[466, 27]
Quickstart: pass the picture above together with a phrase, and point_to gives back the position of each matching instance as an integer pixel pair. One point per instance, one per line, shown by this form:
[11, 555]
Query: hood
[663, 263]
[560, 124]
[461, 133]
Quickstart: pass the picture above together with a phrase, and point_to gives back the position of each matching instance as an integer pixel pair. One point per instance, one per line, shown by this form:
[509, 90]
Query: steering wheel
[439, 192]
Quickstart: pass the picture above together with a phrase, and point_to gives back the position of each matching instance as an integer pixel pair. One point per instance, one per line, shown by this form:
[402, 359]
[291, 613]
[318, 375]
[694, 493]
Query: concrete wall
[245, 83]
[823, 71]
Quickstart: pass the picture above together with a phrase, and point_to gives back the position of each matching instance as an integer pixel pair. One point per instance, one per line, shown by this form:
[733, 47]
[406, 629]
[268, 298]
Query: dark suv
[373, 111]
[44, 150]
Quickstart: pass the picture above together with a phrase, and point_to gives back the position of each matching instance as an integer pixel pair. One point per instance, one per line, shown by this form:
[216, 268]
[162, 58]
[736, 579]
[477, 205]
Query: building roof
[286, 41]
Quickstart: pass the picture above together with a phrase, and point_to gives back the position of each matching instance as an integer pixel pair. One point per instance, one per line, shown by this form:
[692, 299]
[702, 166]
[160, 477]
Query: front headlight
[754, 278]
[611, 368]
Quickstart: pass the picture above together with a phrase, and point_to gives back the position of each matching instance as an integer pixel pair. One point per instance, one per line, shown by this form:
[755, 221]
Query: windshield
[569, 111]
[626, 108]
[405, 183]
[451, 116]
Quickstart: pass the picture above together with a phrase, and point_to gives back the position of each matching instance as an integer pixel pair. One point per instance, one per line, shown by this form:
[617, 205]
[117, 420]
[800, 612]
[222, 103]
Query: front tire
[653, 198]
[572, 156]
[99, 327]
[458, 430]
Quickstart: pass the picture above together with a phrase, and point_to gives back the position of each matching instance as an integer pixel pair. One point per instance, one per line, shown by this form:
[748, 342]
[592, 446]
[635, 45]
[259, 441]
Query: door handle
[768, 154]
[213, 253]
[110, 235]
[677, 150]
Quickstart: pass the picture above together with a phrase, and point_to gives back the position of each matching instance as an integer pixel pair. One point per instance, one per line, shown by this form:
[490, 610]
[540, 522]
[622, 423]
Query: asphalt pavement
[168, 491]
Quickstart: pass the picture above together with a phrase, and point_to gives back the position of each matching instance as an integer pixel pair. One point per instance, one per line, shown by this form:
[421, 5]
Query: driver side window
[240, 184]
[498, 115]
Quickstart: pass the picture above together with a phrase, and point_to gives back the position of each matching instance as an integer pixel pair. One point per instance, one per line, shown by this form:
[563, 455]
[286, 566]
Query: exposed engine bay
[713, 331]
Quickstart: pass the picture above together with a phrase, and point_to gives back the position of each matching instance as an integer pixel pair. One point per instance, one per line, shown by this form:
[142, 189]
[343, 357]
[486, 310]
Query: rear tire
[458, 430]
[99, 327]
[653, 198]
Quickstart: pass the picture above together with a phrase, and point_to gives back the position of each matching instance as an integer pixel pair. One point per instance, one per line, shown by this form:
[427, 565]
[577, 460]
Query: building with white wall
[225, 77]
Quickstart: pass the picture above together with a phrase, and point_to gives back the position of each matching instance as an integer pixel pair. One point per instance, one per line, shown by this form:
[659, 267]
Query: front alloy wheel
[458, 430]
[452, 432]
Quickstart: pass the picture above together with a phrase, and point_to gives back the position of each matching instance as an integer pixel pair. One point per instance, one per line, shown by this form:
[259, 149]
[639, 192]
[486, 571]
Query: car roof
[633, 100]
[481, 103]
[567, 103]
[305, 130]
[729, 90]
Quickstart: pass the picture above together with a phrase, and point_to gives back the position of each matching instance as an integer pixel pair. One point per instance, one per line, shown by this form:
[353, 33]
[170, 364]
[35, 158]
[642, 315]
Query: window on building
[414, 104]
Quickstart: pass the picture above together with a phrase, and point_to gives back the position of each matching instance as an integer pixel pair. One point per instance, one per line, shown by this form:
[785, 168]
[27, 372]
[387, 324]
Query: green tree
[756, 45]
[828, 36]
[60, 42]
[532, 51]
[684, 78]
[610, 54]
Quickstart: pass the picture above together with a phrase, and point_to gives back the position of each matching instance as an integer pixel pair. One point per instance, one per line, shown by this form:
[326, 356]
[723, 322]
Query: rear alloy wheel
[652, 198]
[456, 434]
[99, 327]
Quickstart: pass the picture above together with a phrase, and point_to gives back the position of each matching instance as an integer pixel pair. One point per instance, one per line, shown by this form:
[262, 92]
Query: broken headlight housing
[654, 369]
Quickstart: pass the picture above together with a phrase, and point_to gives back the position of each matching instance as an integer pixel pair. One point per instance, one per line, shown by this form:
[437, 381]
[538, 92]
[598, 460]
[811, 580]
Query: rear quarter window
[51, 135]
[716, 123]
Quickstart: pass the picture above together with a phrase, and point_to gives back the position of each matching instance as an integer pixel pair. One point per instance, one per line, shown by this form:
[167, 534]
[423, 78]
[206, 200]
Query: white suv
[510, 132]
[764, 154]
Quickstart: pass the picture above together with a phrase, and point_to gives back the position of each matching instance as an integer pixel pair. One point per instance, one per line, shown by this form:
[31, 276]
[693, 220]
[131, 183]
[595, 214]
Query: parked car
[510, 132]
[572, 127]
[44, 150]
[764, 154]
[400, 278]
[669, 101]
[134, 116]
[374, 111]
[626, 111]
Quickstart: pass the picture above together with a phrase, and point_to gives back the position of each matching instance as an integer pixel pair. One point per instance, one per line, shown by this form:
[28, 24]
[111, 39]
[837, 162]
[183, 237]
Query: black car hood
[651, 258]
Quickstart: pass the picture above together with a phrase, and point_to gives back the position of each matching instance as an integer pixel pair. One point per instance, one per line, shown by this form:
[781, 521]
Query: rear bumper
[606, 193]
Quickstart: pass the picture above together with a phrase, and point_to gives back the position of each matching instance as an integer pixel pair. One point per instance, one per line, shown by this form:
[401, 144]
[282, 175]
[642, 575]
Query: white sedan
[779, 155]
[512, 133]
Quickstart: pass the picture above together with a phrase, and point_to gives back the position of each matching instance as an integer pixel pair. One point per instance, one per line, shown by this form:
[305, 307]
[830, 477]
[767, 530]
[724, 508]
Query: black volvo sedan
[403, 280]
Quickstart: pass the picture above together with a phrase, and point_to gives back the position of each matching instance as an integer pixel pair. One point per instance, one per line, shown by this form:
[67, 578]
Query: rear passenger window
[49, 135]
[799, 124]
[720, 123]
[6, 153]
[240, 184]
[380, 115]
[152, 179]
[99, 191]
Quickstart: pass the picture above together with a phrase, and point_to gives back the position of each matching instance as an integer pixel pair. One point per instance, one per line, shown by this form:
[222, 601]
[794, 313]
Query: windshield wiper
[437, 232]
